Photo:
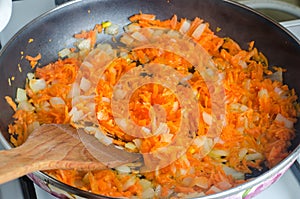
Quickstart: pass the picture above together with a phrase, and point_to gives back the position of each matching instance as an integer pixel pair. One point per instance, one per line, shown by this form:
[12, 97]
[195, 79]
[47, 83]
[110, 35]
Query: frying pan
[53, 31]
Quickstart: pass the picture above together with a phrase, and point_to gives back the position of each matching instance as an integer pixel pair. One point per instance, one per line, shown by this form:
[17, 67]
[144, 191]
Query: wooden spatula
[54, 146]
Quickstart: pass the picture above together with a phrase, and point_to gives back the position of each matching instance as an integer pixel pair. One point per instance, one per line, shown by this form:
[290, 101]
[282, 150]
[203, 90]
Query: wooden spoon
[54, 146]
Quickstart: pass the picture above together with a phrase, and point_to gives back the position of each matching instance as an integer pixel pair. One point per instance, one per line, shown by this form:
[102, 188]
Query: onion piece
[277, 76]
[21, 95]
[30, 76]
[198, 31]
[64, 53]
[234, 173]
[287, 123]
[185, 26]
[76, 114]
[113, 29]
[130, 146]
[84, 44]
[37, 84]
[207, 118]
[254, 156]
[123, 169]
[263, 93]
[26, 106]
[130, 182]
[54, 101]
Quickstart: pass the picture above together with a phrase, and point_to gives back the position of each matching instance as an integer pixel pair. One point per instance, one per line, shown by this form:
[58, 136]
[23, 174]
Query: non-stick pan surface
[53, 31]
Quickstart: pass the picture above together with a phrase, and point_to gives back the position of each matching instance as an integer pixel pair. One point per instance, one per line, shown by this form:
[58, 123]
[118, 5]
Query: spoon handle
[15, 163]
[47, 149]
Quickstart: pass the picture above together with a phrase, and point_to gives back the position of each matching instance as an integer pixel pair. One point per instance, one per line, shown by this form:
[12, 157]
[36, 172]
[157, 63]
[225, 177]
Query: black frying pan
[53, 31]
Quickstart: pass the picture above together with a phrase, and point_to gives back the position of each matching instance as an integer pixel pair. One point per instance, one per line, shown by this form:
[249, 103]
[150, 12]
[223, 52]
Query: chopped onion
[130, 182]
[21, 95]
[76, 114]
[277, 76]
[277, 90]
[123, 169]
[131, 146]
[146, 130]
[201, 182]
[254, 156]
[263, 93]
[166, 137]
[85, 84]
[26, 106]
[105, 99]
[198, 31]
[185, 26]
[243, 64]
[234, 173]
[64, 52]
[113, 29]
[242, 153]
[238, 107]
[217, 153]
[37, 84]
[137, 142]
[30, 76]
[54, 101]
[84, 44]
[145, 184]
[162, 129]
[207, 118]
[287, 123]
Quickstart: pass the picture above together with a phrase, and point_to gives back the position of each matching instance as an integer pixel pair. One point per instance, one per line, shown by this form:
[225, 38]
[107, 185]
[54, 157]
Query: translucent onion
[254, 156]
[234, 173]
[21, 95]
[198, 31]
[37, 84]
[287, 123]
[113, 29]
[26, 106]
[185, 26]
[207, 118]
[54, 101]
[130, 182]
[64, 53]
[123, 169]
[84, 44]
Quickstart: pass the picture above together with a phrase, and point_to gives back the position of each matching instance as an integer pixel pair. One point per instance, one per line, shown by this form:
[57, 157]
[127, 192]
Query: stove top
[288, 187]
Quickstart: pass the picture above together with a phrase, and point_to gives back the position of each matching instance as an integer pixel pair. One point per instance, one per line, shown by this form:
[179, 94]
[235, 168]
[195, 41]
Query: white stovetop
[286, 188]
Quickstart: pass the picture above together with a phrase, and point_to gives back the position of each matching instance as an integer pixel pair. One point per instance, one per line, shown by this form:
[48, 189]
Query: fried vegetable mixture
[257, 123]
